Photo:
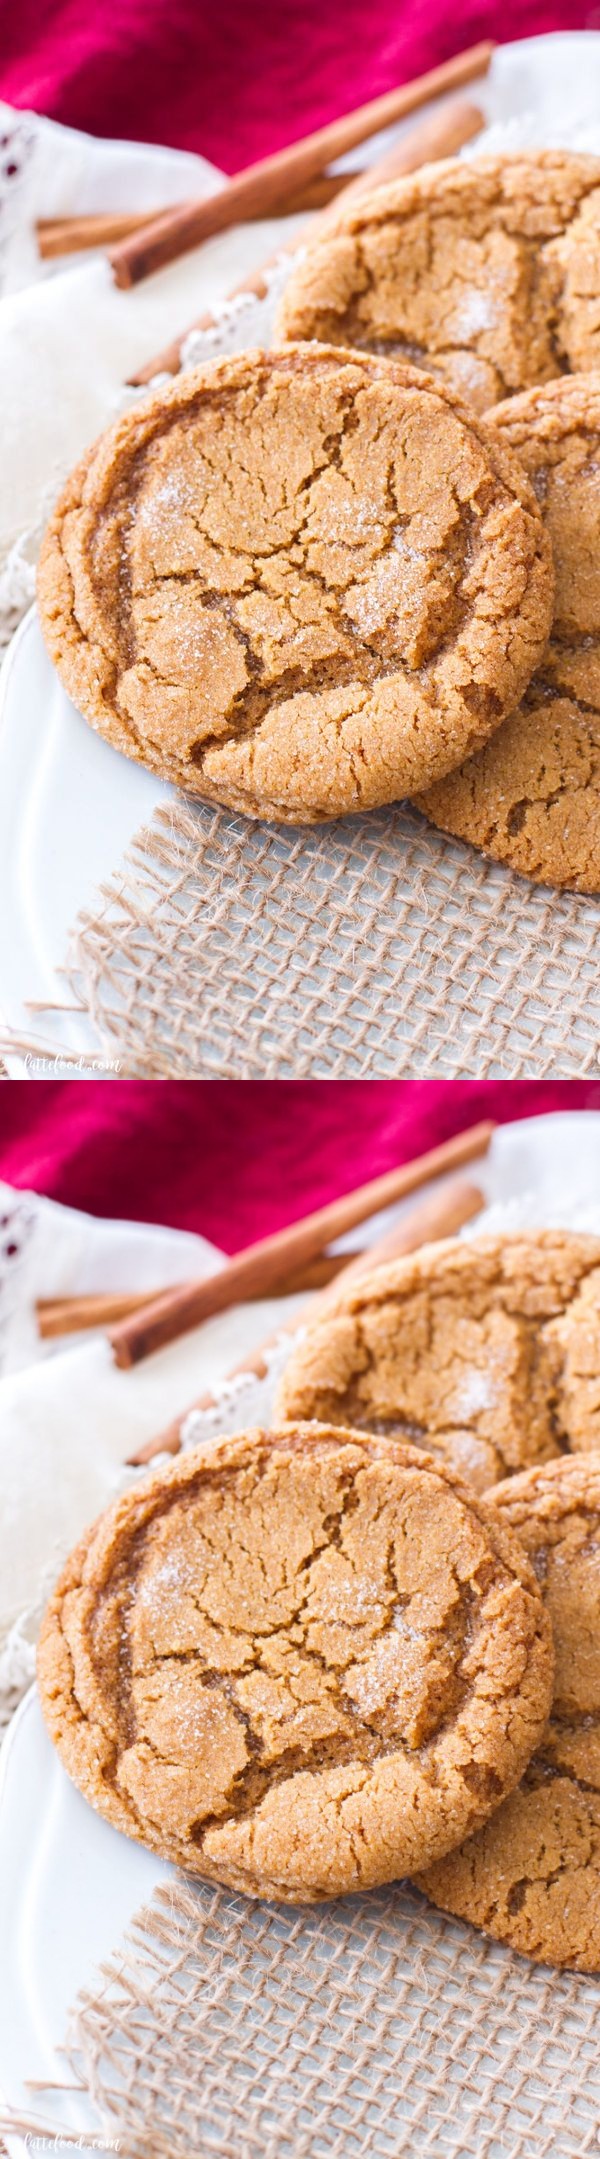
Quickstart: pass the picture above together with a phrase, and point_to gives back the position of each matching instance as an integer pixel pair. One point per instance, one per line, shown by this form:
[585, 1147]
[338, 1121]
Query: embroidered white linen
[68, 338]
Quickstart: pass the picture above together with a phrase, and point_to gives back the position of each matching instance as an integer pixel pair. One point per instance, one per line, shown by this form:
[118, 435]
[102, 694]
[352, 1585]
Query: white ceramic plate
[69, 805]
[69, 1885]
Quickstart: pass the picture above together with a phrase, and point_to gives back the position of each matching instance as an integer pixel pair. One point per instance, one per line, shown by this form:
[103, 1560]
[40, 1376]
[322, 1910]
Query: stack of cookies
[487, 274]
[367, 1643]
[366, 564]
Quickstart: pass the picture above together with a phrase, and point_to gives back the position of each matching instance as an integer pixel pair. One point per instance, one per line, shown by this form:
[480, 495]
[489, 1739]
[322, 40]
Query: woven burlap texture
[364, 2029]
[371, 946]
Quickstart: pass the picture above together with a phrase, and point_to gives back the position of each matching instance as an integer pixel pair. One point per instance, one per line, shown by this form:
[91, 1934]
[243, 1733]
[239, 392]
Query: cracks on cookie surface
[358, 660]
[398, 634]
[546, 1839]
[519, 1410]
[484, 802]
[535, 308]
[362, 1732]
[532, 796]
[506, 1878]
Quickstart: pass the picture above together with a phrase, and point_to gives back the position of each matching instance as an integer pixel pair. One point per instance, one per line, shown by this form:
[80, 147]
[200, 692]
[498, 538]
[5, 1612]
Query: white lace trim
[17, 144]
[18, 1218]
[17, 1658]
[17, 1666]
[18, 136]
[245, 1397]
[18, 573]
[17, 1655]
[243, 320]
[18, 1652]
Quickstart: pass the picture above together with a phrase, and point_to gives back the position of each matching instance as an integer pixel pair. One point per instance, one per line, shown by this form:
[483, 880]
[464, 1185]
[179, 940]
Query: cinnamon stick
[69, 1315]
[72, 235]
[438, 136]
[58, 1316]
[258, 1268]
[258, 188]
[440, 1215]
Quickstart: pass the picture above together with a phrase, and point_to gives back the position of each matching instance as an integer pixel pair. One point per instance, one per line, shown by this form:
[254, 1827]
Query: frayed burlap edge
[367, 2028]
[367, 947]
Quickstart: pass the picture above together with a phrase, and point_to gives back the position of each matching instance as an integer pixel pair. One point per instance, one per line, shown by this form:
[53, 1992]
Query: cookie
[297, 1662]
[485, 1351]
[532, 1876]
[297, 583]
[485, 271]
[532, 797]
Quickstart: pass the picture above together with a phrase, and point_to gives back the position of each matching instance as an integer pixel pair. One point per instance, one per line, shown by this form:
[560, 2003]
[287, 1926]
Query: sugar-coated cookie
[531, 1877]
[485, 271]
[531, 798]
[298, 1662]
[298, 583]
[484, 1350]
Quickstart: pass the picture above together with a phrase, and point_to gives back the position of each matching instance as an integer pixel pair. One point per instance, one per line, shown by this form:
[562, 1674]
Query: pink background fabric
[236, 1159]
[236, 79]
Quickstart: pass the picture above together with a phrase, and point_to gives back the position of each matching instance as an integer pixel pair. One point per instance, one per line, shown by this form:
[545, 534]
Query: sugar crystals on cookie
[299, 1662]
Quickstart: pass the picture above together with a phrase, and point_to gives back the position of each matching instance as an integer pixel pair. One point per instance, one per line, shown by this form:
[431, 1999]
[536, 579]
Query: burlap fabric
[364, 948]
[364, 2029]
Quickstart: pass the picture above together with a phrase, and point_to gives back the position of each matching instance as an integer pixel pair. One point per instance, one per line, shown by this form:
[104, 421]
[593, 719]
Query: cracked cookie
[485, 1351]
[484, 271]
[532, 797]
[298, 1662]
[298, 583]
[532, 1876]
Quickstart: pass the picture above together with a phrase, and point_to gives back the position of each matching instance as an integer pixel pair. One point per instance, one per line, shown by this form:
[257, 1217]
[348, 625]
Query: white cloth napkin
[68, 337]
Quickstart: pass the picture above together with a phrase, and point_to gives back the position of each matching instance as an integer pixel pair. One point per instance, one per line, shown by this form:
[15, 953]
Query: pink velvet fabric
[236, 1159]
[233, 79]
